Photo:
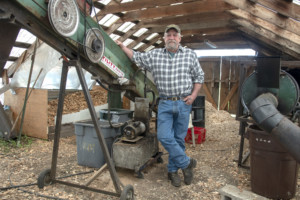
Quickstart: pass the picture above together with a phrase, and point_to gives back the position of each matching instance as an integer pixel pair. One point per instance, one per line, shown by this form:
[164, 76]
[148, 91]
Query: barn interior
[34, 52]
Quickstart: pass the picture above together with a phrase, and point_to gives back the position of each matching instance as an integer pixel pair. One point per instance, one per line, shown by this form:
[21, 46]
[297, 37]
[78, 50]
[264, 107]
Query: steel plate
[64, 16]
[94, 45]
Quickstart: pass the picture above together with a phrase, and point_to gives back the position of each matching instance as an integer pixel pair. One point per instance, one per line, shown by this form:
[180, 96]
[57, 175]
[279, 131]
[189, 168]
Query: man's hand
[119, 43]
[189, 99]
[126, 50]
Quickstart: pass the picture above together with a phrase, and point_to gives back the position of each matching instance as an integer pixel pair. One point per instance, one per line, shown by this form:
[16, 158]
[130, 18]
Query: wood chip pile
[74, 102]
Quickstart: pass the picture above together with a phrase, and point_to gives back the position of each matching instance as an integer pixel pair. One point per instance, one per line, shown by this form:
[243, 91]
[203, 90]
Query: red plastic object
[199, 135]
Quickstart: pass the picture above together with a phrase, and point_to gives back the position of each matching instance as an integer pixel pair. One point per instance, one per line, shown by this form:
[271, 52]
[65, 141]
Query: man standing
[178, 77]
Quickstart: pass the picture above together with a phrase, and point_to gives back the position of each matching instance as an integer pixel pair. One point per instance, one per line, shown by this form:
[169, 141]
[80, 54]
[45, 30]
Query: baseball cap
[174, 26]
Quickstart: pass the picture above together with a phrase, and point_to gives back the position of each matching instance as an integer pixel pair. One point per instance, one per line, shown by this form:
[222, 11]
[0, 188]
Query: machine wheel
[64, 16]
[160, 160]
[127, 193]
[140, 175]
[44, 179]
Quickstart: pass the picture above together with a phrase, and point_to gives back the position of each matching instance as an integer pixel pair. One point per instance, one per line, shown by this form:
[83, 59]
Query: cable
[37, 194]
[31, 184]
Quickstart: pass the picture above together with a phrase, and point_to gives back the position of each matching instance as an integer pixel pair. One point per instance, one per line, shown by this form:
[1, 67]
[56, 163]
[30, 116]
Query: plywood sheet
[36, 114]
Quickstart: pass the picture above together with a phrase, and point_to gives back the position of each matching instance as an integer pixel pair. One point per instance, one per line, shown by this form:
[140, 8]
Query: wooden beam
[266, 25]
[4, 88]
[152, 41]
[182, 9]
[13, 68]
[267, 15]
[208, 31]
[292, 37]
[12, 58]
[131, 32]
[137, 5]
[196, 26]
[261, 49]
[208, 95]
[114, 27]
[23, 45]
[187, 19]
[269, 41]
[280, 36]
[221, 45]
[5, 78]
[288, 9]
[141, 38]
[213, 38]
[229, 96]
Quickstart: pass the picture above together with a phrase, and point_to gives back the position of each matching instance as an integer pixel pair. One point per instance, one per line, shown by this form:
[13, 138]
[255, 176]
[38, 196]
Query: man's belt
[172, 98]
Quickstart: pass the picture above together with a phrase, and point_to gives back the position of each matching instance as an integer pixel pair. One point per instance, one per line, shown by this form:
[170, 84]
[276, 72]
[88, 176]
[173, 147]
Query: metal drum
[274, 171]
[287, 93]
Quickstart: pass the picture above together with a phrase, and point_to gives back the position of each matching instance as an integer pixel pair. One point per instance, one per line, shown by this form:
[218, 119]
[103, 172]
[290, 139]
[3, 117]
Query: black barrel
[273, 171]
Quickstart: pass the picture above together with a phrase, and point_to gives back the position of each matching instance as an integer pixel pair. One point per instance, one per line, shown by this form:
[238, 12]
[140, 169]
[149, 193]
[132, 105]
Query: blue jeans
[172, 126]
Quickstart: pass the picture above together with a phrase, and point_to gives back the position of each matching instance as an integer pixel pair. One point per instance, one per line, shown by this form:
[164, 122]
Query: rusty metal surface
[141, 111]
[274, 171]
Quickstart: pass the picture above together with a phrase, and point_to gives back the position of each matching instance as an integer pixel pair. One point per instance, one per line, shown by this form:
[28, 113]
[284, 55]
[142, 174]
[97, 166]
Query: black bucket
[198, 111]
[274, 172]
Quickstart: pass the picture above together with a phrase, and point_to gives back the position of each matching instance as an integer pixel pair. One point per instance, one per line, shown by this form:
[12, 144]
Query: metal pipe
[60, 107]
[265, 114]
[26, 94]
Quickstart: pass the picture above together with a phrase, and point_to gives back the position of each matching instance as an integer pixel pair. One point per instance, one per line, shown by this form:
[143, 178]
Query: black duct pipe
[265, 114]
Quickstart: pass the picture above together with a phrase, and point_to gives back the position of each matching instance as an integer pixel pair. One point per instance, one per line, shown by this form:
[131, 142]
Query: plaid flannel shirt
[173, 76]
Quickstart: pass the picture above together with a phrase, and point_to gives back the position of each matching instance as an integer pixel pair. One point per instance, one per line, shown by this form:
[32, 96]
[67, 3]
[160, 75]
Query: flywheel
[94, 45]
[64, 16]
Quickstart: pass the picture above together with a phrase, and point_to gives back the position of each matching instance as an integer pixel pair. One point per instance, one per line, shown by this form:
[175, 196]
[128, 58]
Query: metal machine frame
[49, 176]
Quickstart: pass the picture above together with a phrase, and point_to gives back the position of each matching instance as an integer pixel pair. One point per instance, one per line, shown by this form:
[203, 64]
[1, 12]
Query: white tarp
[48, 59]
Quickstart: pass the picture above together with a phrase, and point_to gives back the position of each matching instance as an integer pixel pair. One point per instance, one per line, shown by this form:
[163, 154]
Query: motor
[134, 129]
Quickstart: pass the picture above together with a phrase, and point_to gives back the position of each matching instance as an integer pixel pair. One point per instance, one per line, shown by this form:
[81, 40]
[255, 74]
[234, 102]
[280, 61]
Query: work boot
[175, 179]
[188, 172]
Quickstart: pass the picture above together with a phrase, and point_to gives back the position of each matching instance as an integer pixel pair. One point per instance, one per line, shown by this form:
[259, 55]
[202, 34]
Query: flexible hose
[265, 114]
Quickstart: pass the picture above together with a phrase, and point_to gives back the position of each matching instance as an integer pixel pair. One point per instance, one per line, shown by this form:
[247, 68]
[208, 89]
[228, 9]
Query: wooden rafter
[269, 39]
[191, 8]
[286, 8]
[294, 38]
[137, 5]
[271, 33]
[267, 15]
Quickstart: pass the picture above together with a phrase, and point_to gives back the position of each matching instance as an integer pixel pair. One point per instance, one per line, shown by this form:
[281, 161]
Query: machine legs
[47, 177]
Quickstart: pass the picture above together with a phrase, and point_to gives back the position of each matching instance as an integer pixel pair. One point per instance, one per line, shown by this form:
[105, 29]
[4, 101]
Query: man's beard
[172, 45]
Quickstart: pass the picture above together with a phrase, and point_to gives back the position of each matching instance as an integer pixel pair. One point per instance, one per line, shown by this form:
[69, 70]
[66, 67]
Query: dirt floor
[216, 168]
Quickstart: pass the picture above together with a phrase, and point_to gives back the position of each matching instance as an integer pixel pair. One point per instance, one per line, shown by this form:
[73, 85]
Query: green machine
[66, 26]
[287, 94]
[270, 96]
